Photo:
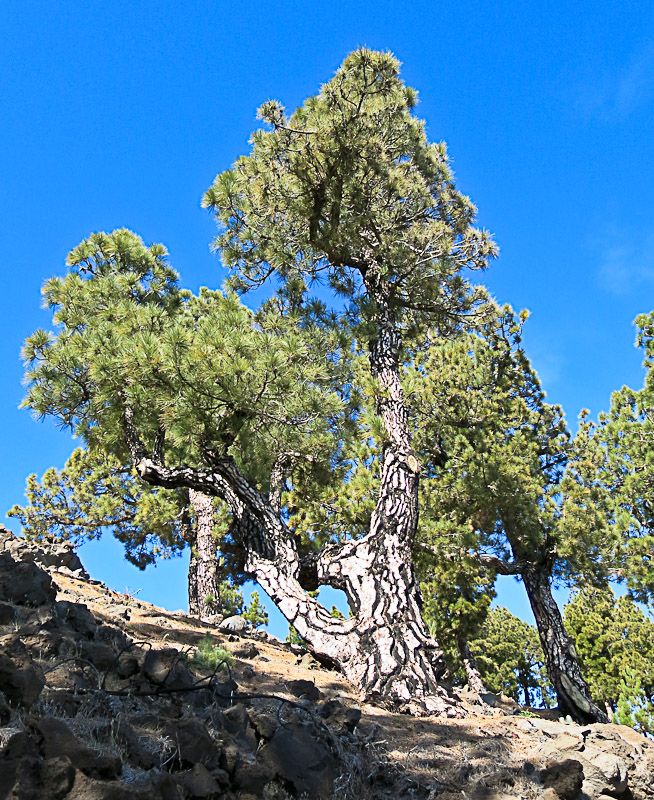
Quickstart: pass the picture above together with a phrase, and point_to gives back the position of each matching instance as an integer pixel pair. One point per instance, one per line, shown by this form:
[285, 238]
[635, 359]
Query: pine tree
[503, 495]
[622, 465]
[94, 493]
[201, 393]
[511, 659]
[615, 643]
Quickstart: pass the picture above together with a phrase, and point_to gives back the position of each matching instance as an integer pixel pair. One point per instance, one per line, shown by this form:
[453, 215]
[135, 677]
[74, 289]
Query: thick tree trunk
[560, 655]
[203, 577]
[470, 667]
[384, 648]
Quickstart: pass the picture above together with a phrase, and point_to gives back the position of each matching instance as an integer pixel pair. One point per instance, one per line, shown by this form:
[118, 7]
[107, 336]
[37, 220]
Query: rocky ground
[102, 697]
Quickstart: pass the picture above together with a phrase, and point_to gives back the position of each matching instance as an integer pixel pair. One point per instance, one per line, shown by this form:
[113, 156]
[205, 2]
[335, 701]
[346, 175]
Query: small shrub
[212, 656]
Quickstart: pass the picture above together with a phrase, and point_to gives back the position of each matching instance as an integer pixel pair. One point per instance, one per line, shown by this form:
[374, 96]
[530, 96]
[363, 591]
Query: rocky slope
[103, 698]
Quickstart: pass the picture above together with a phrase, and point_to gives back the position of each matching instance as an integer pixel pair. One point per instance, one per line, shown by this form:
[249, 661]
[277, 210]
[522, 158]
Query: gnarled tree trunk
[383, 648]
[560, 656]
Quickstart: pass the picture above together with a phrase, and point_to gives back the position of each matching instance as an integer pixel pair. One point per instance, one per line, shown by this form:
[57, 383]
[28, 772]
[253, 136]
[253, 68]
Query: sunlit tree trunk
[560, 656]
[203, 577]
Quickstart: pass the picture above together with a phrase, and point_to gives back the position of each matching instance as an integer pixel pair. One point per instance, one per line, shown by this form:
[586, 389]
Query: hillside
[104, 698]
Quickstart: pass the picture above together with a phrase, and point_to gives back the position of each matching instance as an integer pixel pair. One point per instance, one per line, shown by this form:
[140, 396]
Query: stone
[308, 662]
[21, 681]
[234, 624]
[246, 650]
[265, 723]
[86, 788]
[78, 617]
[101, 655]
[138, 754]
[564, 777]
[8, 614]
[335, 713]
[127, 665]
[57, 777]
[5, 712]
[250, 777]
[297, 755]
[57, 740]
[199, 784]
[194, 744]
[305, 688]
[24, 583]
[166, 669]
[610, 774]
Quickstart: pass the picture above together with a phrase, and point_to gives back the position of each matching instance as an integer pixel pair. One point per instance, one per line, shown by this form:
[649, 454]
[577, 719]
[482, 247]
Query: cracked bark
[470, 667]
[203, 573]
[560, 656]
[384, 648]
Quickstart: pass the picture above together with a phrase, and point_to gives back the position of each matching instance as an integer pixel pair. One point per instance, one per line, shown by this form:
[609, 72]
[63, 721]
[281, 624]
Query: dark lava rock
[339, 715]
[194, 744]
[199, 784]
[165, 668]
[7, 614]
[57, 777]
[78, 617]
[21, 681]
[102, 656]
[299, 756]
[306, 689]
[24, 583]
[564, 777]
[57, 740]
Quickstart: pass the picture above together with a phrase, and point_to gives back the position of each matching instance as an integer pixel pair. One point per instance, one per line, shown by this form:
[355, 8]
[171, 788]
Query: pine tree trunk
[203, 577]
[473, 676]
[560, 656]
[384, 649]
[387, 651]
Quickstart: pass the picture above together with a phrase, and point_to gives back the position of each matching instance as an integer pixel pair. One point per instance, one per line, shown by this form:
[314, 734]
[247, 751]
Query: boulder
[21, 680]
[306, 689]
[56, 740]
[194, 744]
[235, 624]
[199, 784]
[23, 583]
[299, 756]
[564, 777]
[340, 716]
[78, 617]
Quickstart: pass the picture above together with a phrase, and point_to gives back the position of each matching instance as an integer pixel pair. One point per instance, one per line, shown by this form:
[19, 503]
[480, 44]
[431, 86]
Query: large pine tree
[202, 394]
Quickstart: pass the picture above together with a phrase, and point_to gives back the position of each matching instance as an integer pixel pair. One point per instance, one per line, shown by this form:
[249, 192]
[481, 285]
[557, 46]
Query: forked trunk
[560, 656]
[203, 577]
[383, 648]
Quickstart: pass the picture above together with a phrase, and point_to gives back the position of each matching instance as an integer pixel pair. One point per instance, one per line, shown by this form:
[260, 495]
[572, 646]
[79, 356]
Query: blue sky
[120, 114]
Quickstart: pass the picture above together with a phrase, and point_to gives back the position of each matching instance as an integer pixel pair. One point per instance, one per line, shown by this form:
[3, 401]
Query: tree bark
[470, 667]
[384, 648]
[560, 656]
[203, 577]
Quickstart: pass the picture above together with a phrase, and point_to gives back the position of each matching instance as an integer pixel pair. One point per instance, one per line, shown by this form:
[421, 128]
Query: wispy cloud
[625, 260]
[615, 94]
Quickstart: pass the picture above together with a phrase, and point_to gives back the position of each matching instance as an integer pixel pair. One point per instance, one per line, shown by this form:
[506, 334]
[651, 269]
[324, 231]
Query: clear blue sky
[120, 114]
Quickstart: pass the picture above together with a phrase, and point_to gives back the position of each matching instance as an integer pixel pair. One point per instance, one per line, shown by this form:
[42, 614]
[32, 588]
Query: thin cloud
[613, 95]
[625, 262]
